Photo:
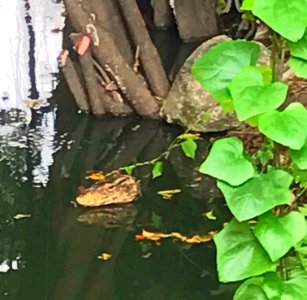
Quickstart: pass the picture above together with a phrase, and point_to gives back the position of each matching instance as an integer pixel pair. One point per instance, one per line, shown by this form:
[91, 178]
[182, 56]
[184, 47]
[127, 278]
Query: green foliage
[286, 17]
[300, 176]
[272, 287]
[229, 72]
[236, 243]
[226, 161]
[299, 66]
[299, 157]
[247, 4]
[157, 169]
[278, 234]
[189, 148]
[129, 169]
[287, 127]
[299, 49]
[252, 95]
[265, 154]
[258, 195]
[215, 69]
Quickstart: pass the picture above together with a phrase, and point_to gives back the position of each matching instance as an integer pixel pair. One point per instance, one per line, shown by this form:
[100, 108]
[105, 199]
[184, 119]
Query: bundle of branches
[118, 69]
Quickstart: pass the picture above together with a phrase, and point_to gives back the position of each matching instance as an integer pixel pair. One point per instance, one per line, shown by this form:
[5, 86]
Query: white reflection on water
[14, 51]
[18, 18]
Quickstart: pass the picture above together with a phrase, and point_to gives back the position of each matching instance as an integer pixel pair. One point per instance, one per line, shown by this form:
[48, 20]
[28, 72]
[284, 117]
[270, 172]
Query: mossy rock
[187, 99]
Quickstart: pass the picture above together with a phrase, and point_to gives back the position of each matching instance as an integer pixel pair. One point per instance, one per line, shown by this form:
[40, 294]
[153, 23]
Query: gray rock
[187, 99]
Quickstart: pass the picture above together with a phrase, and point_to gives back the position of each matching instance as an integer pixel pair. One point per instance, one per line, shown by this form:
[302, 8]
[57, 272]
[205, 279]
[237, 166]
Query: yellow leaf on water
[157, 236]
[168, 194]
[192, 136]
[104, 256]
[96, 176]
[209, 215]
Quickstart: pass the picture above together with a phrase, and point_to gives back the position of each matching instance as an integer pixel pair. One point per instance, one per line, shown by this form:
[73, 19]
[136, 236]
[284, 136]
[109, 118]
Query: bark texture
[109, 57]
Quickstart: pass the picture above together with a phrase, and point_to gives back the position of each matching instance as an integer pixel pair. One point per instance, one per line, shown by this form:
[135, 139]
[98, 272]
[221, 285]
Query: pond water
[48, 247]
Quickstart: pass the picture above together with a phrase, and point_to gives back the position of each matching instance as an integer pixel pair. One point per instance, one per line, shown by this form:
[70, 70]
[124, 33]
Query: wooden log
[108, 16]
[110, 58]
[162, 16]
[90, 78]
[74, 82]
[149, 56]
[196, 19]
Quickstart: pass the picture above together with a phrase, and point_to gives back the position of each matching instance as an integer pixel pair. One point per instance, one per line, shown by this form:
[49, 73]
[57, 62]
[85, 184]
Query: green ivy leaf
[299, 157]
[249, 76]
[216, 68]
[247, 4]
[300, 176]
[258, 195]
[254, 288]
[287, 17]
[157, 169]
[257, 100]
[129, 169]
[267, 74]
[227, 162]
[235, 243]
[252, 96]
[303, 209]
[296, 288]
[299, 66]
[288, 127]
[278, 234]
[189, 148]
[299, 49]
[272, 287]
[265, 153]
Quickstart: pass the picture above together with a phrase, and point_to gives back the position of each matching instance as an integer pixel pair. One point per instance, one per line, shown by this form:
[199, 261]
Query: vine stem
[164, 155]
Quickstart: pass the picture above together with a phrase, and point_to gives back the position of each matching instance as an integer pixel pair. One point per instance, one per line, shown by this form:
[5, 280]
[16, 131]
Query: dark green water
[53, 254]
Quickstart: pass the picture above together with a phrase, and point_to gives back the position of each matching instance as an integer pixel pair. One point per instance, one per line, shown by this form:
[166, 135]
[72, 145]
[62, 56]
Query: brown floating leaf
[157, 236]
[96, 176]
[114, 189]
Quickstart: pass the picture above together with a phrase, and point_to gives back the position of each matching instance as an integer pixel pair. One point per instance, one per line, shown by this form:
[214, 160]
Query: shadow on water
[53, 253]
[48, 248]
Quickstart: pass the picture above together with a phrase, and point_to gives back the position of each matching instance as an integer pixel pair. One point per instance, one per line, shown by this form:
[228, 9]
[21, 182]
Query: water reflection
[31, 31]
[53, 253]
[58, 247]
[27, 30]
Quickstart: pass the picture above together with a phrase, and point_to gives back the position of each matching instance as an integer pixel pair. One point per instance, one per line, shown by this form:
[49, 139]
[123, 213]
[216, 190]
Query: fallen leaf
[157, 236]
[147, 255]
[21, 216]
[168, 194]
[209, 215]
[96, 176]
[104, 256]
[192, 136]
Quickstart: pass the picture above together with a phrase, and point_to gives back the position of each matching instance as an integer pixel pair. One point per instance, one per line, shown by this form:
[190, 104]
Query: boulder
[187, 99]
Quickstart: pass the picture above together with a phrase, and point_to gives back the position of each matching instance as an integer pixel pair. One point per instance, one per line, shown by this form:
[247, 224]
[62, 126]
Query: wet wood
[90, 78]
[163, 16]
[109, 57]
[196, 19]
[149, 56]
[75, 85]
[108, 16]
